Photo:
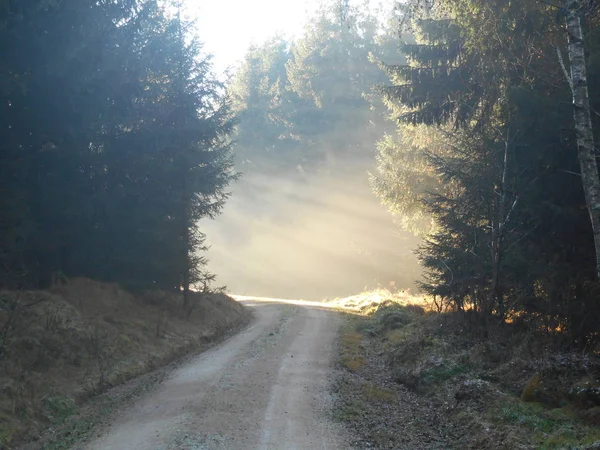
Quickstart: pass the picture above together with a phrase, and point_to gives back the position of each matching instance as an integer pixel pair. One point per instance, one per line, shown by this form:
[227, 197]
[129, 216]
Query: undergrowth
[351, 353]
[65, 345]
[511, 390]
[548, 428]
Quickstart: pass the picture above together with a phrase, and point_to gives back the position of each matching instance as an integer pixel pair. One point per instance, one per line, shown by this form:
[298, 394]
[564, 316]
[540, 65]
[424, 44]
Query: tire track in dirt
[265, 388]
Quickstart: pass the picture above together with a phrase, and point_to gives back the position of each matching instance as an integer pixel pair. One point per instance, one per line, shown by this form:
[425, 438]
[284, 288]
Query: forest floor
[375, 371]
[73, 354]
[412, 379]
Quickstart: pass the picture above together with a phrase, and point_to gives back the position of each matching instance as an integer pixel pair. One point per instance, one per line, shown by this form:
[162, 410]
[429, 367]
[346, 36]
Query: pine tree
[506, 202]
[115, 145]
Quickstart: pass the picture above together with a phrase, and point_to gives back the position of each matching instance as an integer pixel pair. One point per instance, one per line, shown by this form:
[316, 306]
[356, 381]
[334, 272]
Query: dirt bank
[265, 388]
[66, 345]
[416, 380]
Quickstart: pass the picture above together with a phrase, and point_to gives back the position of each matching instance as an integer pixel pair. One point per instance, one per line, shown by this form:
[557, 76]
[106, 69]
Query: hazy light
[251, 299]
[229, 27]
[328, 237]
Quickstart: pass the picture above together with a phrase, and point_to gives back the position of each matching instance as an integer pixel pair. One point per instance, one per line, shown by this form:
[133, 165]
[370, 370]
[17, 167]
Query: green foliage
[404, 177]
[307, 102]
[114, 143]
[551, 428]
[7, 428]
[486, 150]
[442, 373]
[59, 408]
[351, 411]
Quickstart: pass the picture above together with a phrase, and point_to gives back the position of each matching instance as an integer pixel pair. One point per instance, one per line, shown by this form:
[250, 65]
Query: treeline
[309, 123]
[114, 142]
[306, 103]
[481, 157]
[487, 146]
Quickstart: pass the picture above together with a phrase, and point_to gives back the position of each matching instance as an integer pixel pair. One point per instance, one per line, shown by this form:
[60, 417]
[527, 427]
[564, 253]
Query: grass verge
[68, 344]
[400, 363]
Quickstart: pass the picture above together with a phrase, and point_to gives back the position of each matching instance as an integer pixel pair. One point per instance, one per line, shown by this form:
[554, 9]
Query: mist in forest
[303, 220]
[313, 238]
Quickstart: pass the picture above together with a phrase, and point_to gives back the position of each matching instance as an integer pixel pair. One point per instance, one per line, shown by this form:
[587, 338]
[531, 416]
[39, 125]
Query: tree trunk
[185, 279]
[505, 208]
[583, 121]
[498, 231]
[186, 245]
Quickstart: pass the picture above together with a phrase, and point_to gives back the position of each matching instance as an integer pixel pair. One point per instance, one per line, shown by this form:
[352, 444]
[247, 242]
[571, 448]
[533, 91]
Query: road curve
[265, 388]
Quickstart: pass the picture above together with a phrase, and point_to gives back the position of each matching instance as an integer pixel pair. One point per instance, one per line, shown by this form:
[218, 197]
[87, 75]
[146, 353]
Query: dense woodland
[115, 142]
[117, 139]
[502, 150]
[483, 160]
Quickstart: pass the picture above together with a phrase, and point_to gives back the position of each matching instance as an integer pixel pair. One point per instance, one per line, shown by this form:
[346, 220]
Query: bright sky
[229, 27]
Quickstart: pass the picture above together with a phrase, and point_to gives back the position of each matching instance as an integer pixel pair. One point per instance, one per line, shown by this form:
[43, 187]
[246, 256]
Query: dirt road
[265, 388]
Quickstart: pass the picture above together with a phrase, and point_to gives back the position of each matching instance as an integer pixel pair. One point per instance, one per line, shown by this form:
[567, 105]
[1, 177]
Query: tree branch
[550, 4]
[564, 69]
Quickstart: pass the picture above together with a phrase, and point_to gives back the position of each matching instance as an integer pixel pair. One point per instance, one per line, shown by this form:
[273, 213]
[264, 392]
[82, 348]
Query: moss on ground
[548, 429]
[498, 392]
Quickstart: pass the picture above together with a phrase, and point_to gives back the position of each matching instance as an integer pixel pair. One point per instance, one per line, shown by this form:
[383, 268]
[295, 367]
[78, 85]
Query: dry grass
[511, 390]
[81, 338]
[376, 393]
[351, 356]
[364, 307]
[369, 302]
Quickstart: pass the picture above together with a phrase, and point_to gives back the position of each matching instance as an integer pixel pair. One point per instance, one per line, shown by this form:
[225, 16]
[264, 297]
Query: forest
[481, 120]
[476, 121]
[115, 141]
[439, 148]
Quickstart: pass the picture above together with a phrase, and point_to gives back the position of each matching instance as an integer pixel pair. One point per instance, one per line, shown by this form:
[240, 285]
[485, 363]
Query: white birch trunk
[583, 121]
[505, 209]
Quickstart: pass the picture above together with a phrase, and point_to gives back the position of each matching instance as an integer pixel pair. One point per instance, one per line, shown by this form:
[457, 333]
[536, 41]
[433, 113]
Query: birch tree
[582, 116]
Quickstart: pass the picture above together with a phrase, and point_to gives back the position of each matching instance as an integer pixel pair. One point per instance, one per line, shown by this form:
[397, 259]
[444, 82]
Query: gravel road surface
[265, 388]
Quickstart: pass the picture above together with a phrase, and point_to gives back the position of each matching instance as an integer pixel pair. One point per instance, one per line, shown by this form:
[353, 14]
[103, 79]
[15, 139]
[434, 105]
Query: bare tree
[506, 204]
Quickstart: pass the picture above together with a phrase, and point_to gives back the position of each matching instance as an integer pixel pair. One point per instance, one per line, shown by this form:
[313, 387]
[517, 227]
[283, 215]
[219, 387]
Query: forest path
[264, 388]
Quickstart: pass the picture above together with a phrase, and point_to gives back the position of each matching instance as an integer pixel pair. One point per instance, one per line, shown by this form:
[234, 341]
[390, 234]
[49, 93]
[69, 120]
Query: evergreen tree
[114, 144]
[497, 177]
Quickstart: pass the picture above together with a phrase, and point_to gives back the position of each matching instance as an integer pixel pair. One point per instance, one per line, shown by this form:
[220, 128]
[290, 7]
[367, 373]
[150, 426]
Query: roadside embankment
[63, 346]
[409, 378]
